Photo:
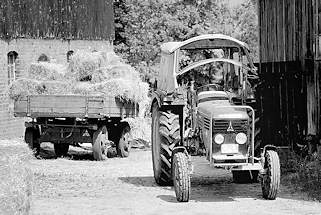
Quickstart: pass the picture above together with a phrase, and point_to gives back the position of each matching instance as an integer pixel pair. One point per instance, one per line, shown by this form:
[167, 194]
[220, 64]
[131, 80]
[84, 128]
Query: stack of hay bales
[88, 73]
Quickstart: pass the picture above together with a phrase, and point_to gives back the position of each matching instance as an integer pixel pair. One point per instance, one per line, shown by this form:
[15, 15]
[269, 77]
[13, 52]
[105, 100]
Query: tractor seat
[212, 95]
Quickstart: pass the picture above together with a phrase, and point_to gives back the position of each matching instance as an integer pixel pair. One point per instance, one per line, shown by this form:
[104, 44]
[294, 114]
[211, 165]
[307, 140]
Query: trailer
[73, 119]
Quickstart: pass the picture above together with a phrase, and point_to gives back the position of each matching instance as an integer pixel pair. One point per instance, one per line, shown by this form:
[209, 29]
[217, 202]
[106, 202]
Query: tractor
[204, 106]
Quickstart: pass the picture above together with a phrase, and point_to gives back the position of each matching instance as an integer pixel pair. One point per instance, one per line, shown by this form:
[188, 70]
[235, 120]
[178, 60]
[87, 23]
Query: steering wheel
[209, 87]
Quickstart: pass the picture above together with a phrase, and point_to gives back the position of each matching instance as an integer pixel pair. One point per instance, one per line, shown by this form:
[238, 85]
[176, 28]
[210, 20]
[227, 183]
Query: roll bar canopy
[207, 41]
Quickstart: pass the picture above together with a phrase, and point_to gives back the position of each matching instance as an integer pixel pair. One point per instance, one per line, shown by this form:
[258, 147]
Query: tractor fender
[269, 147]
[157, 98]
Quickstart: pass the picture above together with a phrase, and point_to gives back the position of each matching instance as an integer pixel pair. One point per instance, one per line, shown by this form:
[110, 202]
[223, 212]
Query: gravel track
[78, 185]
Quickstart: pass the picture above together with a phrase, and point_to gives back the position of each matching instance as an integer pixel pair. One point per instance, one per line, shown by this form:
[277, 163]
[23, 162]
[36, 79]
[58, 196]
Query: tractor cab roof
[207, 41]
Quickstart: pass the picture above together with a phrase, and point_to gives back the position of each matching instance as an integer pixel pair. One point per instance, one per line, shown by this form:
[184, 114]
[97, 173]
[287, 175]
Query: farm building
[290, 54]
[51, 29]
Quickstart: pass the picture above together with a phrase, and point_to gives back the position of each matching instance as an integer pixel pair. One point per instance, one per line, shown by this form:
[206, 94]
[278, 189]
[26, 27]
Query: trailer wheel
[271, 179]
[61, 149]
[181, 177]
[100, 139]
[124, 143]
[244, 176]
[165, 135]
[32, 139]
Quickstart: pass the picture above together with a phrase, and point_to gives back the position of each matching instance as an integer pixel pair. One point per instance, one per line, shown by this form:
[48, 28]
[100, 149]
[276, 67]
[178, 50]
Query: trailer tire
[100, 139]
[181, 177]
[61, 149]
[244, 176]
[270, 182]
[124, 143]
[32, 139]
[165, 136]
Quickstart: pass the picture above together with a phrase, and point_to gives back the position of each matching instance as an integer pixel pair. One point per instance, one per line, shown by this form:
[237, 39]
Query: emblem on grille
[230, 127]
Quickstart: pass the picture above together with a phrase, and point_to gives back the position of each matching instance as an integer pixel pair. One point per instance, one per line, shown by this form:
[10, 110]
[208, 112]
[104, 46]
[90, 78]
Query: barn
[53, 29]
[290, 54]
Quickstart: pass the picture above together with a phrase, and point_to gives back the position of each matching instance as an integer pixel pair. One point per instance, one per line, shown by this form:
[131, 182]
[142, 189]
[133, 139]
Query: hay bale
[16, 177]
[83, 64]
[123, 89]
[120, 70]
[23, 87]
[83, 88]
[46, 71]
[57, 87]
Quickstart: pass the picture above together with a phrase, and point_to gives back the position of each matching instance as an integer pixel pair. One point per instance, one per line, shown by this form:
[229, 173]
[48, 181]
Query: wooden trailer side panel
[73, 106]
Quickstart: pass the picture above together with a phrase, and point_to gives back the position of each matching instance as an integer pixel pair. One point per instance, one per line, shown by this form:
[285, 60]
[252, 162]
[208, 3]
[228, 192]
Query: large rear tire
[124, 143]
[100, 138]
[165, 135]
[271, 179]
[32, 139]
[181, 177]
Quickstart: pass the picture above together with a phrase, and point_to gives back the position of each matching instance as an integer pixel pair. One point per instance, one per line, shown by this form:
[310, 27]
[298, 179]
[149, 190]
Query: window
[69, 54]
[43, 58]
[12, 66]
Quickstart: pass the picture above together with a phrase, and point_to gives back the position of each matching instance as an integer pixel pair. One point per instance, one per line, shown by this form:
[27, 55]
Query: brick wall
[28, 52]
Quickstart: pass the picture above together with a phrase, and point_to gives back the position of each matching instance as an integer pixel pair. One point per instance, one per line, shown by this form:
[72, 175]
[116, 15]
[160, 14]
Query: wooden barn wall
[66, 19]
[285, 30]
[289, 93]
[282, 101]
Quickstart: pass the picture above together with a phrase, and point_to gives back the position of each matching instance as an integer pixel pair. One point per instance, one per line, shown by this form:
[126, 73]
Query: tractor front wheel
[271, 178]
[181, 177]
[165, 136]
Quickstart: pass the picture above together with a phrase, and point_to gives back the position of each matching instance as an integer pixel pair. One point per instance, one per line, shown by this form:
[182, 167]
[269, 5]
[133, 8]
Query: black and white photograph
[158, 107]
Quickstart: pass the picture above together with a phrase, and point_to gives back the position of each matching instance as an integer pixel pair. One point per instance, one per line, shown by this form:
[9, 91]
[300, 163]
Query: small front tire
[181, 177]
[270, 182]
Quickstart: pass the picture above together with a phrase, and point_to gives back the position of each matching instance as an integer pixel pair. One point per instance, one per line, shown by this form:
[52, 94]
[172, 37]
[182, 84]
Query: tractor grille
[221, 126]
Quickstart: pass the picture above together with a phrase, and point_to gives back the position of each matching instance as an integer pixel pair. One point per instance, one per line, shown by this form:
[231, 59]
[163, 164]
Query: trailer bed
[77, 106]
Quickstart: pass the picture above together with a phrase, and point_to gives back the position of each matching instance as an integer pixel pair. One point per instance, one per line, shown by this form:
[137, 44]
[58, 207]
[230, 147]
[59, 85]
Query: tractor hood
[222, 109]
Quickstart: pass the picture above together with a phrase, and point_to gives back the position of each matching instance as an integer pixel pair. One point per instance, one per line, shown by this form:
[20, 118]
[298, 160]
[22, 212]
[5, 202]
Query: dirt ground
[78, 185]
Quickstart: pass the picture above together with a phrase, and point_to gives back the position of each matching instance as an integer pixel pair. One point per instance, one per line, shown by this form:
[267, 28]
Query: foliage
[142, 26]
[303, 173]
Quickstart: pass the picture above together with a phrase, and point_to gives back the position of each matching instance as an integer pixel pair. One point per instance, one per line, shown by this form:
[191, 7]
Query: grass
[304, 174]
[16, 178]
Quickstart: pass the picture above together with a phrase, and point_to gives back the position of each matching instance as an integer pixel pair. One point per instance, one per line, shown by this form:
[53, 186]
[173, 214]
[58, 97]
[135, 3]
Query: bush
[16, 178]
[305, 174]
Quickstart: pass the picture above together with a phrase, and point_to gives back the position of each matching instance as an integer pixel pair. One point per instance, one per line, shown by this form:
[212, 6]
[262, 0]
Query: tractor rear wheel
[165, 135]
[271, 179]
[61, 149]
[181, 177]
[32, 139]
[100, 138]
[244, 176]
[124, 143]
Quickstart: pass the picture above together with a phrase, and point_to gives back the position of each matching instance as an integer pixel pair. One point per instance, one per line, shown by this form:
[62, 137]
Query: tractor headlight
[219, 139]
[241, 138]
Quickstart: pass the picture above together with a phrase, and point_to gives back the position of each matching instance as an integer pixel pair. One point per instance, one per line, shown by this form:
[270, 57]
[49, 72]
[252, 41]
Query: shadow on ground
[74, 153]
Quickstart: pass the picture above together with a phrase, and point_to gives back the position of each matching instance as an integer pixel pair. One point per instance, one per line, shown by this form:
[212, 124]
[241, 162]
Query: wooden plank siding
[289, 93]
[65, 19]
